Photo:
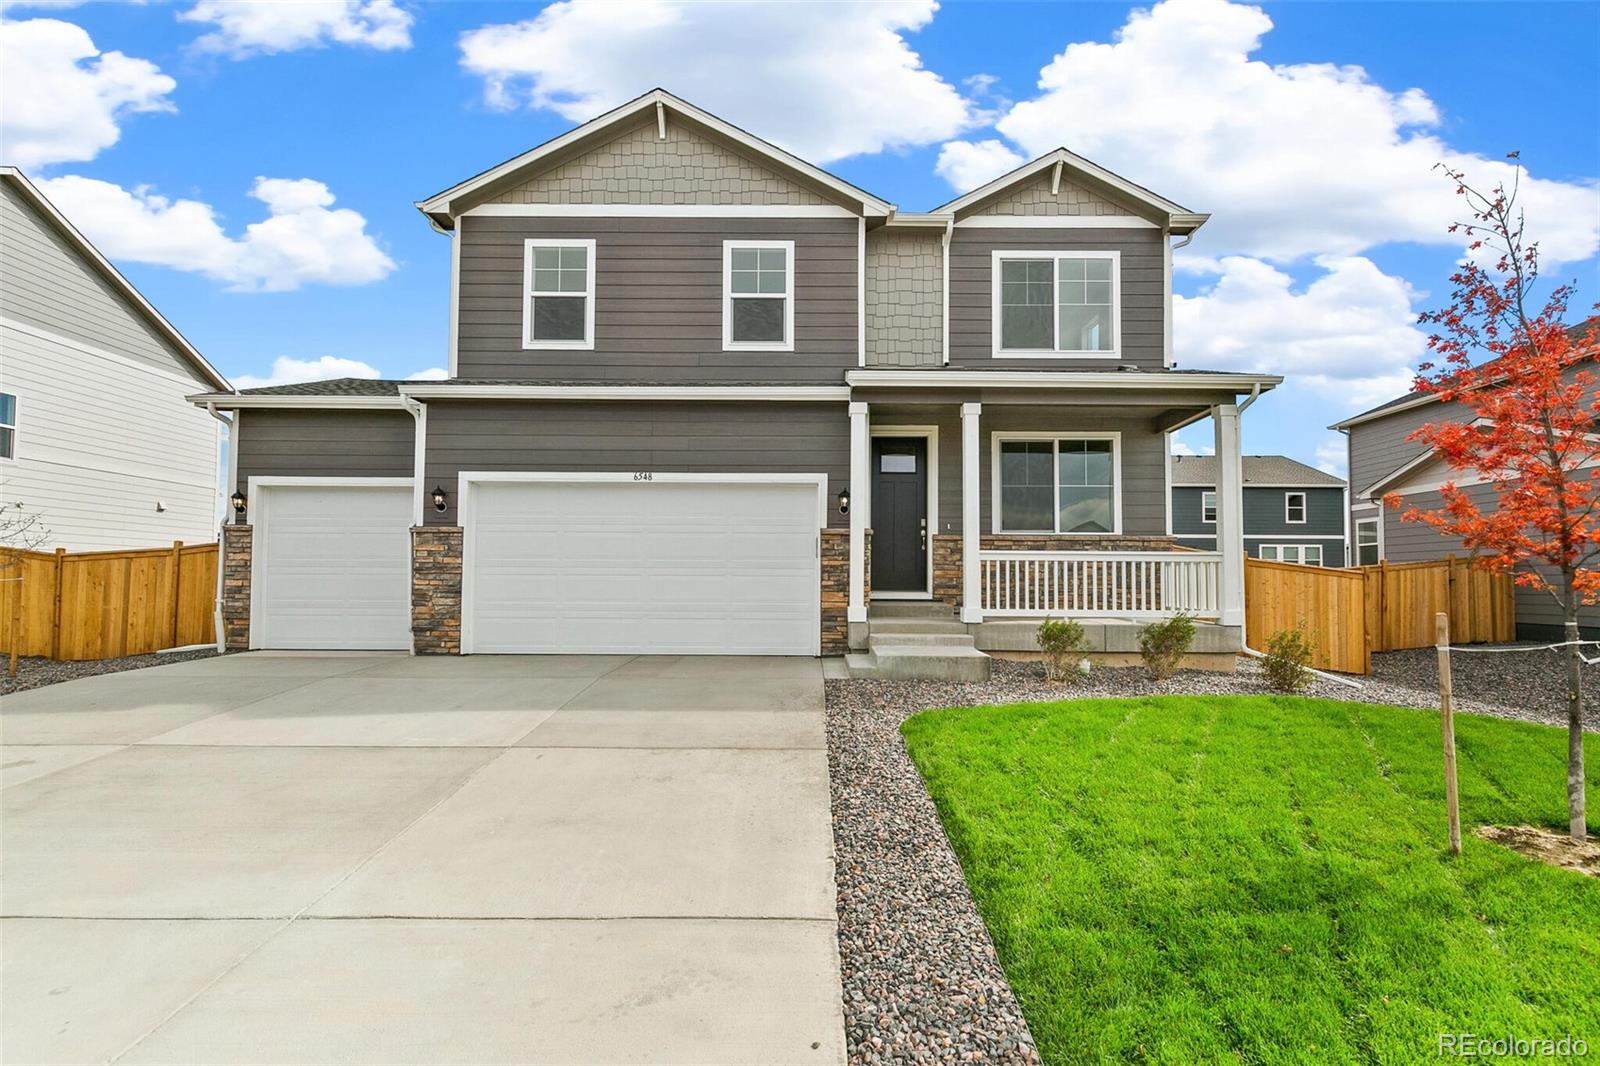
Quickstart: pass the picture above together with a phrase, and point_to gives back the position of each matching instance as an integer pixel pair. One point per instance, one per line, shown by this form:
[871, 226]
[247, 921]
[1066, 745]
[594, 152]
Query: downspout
[216, 606]
[1255, 394]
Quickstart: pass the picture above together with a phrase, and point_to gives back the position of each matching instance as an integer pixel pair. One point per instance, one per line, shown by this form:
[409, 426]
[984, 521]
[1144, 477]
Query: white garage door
[677, 567]
[332, 567]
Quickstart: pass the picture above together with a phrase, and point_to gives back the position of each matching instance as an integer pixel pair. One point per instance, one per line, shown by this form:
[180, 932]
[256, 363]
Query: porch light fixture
[844, 500]
[438, 499]
[238, 501]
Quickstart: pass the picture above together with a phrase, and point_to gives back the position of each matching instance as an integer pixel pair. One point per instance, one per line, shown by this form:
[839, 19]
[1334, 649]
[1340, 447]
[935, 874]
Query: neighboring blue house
[1293, 513]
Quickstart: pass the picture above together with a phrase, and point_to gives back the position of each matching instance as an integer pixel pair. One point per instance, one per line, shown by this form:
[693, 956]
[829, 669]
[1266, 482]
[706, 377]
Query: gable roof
[440, 206]
[102, 266]
[1179, 219]
[1260, 471]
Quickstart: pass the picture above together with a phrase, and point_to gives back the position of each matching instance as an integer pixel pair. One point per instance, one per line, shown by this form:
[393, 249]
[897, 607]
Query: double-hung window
[558, 293]
[8, 426]
[1304, 554]
[758, 295]
[1060, 304]
[1208, 507]
[1057, 485]
[1367, 551]
[1294, 508]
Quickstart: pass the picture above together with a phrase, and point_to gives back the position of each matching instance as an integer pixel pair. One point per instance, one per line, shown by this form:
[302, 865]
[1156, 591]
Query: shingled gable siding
[326, 443]
[905, 294]
[723, 438]
[658, 300]
[1035, 198]
[1144, 302]
[640, 167]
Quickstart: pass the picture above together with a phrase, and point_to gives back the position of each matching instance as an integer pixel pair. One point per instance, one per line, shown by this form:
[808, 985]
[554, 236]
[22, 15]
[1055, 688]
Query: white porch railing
[1148, 584]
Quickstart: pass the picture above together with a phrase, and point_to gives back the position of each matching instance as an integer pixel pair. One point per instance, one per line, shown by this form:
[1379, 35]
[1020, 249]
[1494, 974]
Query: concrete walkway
[276, 858]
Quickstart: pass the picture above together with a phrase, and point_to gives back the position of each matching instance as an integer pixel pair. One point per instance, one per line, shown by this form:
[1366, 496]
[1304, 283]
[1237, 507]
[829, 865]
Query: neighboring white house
[95, 435]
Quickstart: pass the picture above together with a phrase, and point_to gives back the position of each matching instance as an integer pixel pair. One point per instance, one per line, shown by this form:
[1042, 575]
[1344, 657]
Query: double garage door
[552, 566]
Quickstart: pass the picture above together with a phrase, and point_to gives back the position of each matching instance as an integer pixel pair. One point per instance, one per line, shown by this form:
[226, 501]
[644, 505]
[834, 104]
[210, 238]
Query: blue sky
[1306, 129]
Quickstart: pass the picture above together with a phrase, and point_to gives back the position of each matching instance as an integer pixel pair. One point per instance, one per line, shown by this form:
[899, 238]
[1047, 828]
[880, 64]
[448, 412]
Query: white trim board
[465, 516]
[735, 393]
[1059, 379]
[232, 401]
[931, 435]
[52, 337]
[659, 211]
[1055, 222]
[995, 439]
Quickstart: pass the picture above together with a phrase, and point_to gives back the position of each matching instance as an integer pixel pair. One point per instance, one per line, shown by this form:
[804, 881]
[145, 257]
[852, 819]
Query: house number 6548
[644, 475]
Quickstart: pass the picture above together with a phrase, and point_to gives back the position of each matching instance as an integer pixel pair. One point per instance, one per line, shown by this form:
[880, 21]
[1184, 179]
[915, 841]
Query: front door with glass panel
[899, 514]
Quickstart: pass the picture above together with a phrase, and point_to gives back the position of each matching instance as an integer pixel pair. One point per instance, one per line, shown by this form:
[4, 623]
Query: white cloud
[1294, 159]
[287, 370]
[1181, 448]
[64, 98]
[262, 27]
[969, 164]
[304, 239]
[1331, 457]
[823, 84]
[1350, 334]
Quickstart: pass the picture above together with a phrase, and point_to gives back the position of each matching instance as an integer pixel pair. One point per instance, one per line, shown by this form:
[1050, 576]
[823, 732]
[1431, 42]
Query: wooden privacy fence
[102, 605]
[1351, 613]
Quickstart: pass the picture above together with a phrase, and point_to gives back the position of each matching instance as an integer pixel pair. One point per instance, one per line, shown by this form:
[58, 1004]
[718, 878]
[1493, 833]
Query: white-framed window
[1294, 508]
[1057, 304]
[1208, 507]
[1057, 483]
[1368, 553]
[758, 295]
[8, 426]
[1304, 554]
[558, 292]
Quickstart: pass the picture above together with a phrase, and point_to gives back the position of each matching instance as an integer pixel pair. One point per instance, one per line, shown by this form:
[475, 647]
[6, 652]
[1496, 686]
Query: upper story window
[758, 295]
[1208, 507]
[1057, 485]
[558, 293]
[1368, 551]
[1057, 304]
[1294, 508]
[8, 426]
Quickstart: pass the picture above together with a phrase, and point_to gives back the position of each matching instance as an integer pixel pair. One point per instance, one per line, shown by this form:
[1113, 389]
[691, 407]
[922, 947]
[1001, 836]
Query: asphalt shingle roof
[1258, 470]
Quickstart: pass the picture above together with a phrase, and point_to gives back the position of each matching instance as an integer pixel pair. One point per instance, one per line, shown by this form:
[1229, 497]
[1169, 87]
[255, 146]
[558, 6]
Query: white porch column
[860, 509]
[1230, 512]
[971, 603]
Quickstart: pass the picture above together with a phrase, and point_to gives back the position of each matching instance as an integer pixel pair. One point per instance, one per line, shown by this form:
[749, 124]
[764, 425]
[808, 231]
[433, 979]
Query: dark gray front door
[899, 514]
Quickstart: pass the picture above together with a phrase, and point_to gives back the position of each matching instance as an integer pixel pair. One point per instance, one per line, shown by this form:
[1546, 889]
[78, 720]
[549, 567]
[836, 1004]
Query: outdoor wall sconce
[238, 501]
[438, 499]
[844, 500]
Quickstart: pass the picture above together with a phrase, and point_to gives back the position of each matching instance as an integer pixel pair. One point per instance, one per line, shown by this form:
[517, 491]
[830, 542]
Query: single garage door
[679, 567]
[332, 567]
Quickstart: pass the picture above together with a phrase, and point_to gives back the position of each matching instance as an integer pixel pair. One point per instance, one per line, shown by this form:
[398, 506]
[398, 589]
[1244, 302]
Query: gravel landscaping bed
[921, 980]
[33, 672]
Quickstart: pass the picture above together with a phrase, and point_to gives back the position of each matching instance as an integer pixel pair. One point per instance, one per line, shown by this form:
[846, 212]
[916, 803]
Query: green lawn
[1252, 879]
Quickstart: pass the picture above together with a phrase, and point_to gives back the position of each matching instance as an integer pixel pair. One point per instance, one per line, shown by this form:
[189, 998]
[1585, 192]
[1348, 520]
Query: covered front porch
[1007, 496]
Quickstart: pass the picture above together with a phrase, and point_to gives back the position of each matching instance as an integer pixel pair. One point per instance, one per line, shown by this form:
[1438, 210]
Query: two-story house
[692, 376]
[1384, 463]
[1293, 513]
[97, 439]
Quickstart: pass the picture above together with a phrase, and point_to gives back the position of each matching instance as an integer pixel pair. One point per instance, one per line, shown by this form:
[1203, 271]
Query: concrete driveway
[283, 858]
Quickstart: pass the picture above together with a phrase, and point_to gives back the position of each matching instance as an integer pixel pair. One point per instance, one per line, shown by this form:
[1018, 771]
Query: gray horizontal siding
[1411, 542]
[324, 444]
[658, 300]
[1186, 513]
[1144, 490]
[1144, 296]
[732, 438]
[1264, 511]
[45, 282]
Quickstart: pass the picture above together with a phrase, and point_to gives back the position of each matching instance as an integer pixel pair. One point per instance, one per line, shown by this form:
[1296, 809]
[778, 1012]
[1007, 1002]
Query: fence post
[1447, 725]
[55, 605]
[16, 612]
[177, 574]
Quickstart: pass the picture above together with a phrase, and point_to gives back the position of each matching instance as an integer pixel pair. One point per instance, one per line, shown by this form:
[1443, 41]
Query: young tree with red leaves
[1533, 434]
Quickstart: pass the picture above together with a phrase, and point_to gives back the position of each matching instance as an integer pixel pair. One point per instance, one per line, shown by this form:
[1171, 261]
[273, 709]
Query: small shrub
[1288, 653]
[1163, 645]
[1059, 640]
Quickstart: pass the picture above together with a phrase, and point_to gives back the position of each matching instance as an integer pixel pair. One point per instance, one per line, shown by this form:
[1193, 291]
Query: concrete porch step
[886, 626]
[905, 662]
[957, 640]
[910, 609]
